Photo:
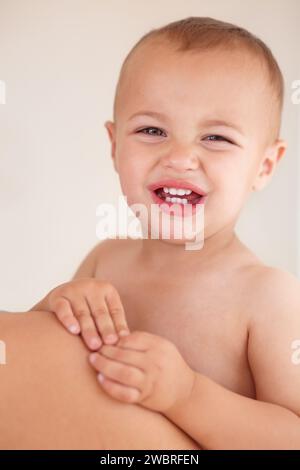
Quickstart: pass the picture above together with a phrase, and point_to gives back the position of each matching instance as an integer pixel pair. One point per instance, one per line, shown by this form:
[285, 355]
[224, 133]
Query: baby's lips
[177, 183]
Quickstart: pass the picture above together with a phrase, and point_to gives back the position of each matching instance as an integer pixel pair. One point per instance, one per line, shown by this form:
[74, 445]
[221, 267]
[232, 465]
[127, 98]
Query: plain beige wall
[60, 61]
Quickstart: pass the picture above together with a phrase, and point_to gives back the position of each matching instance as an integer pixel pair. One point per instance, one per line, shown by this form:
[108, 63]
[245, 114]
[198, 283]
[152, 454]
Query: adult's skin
[50, 398]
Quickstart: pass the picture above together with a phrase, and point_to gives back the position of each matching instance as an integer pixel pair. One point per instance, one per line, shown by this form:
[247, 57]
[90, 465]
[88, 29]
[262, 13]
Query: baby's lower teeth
[175, 200]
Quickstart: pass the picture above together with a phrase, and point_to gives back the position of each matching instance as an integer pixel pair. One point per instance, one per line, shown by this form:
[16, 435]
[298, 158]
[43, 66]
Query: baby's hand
[145, 369]
[90, 307]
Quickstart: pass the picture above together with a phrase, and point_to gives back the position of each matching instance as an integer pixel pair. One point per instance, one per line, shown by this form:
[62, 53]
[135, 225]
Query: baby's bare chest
[205, 322]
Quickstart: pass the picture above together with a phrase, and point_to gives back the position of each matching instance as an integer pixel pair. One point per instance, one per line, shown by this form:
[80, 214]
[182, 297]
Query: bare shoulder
[98, 254]
[271, 291]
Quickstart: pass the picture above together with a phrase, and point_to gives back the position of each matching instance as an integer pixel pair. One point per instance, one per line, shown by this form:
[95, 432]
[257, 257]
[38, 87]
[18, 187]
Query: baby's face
[212, 112]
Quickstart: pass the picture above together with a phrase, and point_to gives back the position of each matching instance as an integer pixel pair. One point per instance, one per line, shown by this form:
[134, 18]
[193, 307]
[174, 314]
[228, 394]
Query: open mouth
[178, 196]
[184, 201]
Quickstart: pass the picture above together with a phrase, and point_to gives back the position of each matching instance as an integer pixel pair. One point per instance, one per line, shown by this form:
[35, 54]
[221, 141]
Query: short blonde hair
[204, 33]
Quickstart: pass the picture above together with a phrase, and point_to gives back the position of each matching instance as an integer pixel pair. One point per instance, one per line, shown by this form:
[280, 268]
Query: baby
[207, 337]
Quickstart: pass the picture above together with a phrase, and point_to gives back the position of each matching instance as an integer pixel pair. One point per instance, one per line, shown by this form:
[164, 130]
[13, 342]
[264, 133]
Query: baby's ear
[272, 155]
[111, 129]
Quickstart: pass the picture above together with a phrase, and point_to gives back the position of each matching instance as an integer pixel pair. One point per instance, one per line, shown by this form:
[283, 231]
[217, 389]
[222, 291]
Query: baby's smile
[165, 193]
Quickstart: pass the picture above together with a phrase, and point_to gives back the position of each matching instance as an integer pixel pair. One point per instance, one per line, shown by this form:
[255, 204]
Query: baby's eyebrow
[205, 122]
[148, 113]
[220, 122]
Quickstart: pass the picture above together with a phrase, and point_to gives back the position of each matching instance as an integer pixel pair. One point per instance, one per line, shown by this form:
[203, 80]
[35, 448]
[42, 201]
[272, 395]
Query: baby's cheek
[132, 187]
[128, 189]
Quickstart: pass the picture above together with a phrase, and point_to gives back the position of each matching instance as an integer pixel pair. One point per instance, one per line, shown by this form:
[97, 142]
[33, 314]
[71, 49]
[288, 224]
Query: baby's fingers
[118, 391]
[88, 328]
[103, 320]
[109, 315]
[118, 377]
[117, 312]
[63, 310]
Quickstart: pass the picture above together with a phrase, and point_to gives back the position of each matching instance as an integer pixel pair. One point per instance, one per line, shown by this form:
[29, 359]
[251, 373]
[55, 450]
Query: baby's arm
[221, 419]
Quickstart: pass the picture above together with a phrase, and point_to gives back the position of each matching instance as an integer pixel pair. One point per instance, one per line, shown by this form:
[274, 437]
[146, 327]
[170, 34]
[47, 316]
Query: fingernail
[92, 358]
[124, 333]
[111, 338]
[95, 343]
[73, 329]
[101, 378]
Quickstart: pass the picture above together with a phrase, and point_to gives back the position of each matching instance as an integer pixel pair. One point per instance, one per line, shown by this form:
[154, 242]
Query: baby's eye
[149, 129]
[218, 138]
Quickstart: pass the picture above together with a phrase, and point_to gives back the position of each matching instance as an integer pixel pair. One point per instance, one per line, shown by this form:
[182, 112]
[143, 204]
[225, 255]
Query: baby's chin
[173, 228]
[184, 243]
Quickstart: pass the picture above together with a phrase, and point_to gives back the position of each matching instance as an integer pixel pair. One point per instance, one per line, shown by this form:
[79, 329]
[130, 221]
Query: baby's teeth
[181, 192]
[176, 200]
[177, 191]
[173, 191]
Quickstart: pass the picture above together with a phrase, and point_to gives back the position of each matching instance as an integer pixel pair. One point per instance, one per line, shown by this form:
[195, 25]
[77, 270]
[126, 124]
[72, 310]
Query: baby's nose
[182, 158]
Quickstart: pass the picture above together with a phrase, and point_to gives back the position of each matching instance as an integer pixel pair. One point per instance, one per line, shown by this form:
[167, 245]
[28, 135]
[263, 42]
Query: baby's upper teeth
[177, 191]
